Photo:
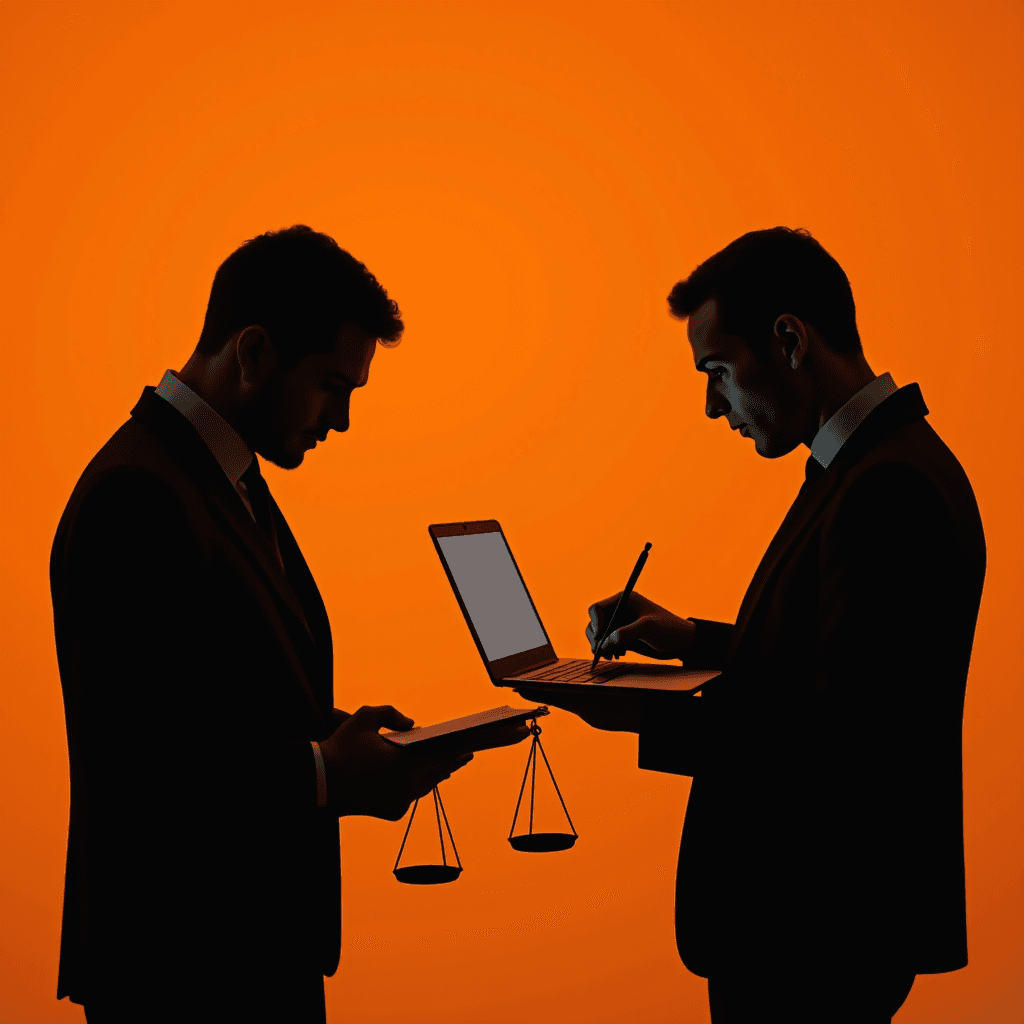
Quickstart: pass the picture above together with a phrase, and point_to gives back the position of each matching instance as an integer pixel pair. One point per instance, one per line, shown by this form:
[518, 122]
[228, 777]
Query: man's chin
[283, 458]
[773, 447]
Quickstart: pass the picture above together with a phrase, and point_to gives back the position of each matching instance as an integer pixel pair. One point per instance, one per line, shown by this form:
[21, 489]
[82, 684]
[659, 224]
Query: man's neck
[208, 377]
[841, 380]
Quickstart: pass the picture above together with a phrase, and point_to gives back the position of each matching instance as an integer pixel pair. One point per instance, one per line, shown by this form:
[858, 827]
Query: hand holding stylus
[623, 599]
[640, 626]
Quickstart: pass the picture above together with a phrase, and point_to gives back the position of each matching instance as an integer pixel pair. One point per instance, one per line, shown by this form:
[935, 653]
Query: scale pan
[542, 842]
[428, 874]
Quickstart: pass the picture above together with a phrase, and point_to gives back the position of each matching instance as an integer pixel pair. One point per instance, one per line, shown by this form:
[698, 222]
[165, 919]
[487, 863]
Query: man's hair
[300, 286]
[762, 275]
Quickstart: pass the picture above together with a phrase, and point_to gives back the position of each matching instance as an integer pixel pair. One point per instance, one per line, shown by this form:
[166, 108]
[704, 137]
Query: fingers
[410, 777]
[437, 760]
[624, 638]
[612, 646]
[500, 735]
[599, 613]
[382, 716]
[456, 763]
[567, 702]
[657, 633]
[433, 773]
[603, 710]
[646, 635]
[532, 694]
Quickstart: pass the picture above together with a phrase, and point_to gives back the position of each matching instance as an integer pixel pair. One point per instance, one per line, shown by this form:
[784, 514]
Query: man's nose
[338, 417]
[715, 405]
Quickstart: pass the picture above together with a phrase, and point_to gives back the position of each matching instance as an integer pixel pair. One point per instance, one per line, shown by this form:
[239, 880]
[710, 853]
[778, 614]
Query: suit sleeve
[711, 643]
[671, 734]
[672, 726]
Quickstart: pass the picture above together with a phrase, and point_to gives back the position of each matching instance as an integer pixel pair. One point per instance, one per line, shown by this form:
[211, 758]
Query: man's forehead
[702, 328]
[353, 353]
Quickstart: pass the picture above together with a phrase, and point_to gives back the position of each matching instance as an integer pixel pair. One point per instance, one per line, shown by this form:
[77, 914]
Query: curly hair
[300, 286]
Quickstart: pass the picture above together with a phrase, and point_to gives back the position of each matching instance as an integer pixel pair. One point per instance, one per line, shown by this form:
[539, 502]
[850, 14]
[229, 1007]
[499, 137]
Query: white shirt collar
[221, 438]
[836, 432]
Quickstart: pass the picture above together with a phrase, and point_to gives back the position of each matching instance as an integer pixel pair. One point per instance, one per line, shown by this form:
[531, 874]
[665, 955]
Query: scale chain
[531, 767]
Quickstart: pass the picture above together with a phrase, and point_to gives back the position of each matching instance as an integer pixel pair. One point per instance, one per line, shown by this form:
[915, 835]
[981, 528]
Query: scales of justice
[518, 654]
[527, 842]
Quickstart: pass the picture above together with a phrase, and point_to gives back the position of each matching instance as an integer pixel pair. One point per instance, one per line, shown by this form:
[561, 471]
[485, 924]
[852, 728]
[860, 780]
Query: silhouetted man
[821, 865]
[208, 765]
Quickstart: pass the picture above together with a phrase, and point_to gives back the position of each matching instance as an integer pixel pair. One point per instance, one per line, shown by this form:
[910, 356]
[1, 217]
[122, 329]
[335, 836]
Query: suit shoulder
[134, 470]
[915, 453]
[133, 446]
[911, 476]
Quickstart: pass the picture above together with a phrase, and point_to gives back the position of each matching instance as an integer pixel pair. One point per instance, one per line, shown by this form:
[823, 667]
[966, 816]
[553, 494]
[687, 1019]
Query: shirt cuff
[321, 775]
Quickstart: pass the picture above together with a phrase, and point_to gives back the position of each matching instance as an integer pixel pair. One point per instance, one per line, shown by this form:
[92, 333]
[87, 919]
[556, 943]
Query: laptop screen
[493, 594]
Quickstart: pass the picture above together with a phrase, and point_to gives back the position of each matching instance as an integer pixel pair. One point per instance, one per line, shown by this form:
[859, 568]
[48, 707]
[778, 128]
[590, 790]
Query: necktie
[813, 470]
[259, 500]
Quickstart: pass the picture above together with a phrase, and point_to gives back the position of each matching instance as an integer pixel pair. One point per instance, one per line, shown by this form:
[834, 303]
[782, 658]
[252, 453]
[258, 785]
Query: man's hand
[613, 711]
[368, 775]
[497, 734]
[643, 627]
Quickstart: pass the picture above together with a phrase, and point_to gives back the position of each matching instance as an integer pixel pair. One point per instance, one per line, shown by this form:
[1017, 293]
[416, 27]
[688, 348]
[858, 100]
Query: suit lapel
[904, 406]
[231, 507]
[302, 582]
[312, 668]
[164, 418]
[813, 495]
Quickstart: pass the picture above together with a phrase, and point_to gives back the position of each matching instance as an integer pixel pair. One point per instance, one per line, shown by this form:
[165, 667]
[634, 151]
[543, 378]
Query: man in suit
[209, 766]
[821, 865]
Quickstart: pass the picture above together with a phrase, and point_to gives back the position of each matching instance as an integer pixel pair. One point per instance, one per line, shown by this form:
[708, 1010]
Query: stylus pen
[623, 598]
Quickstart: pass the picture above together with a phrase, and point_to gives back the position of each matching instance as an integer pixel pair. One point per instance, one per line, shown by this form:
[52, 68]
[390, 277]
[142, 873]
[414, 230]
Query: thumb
[382, 716]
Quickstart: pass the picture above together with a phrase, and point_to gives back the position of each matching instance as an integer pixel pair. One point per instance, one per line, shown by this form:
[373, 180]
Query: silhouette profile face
[765, 400]
[293, 410]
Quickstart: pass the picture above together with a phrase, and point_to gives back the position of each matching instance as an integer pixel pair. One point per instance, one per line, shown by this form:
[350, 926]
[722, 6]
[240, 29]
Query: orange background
[528, 181]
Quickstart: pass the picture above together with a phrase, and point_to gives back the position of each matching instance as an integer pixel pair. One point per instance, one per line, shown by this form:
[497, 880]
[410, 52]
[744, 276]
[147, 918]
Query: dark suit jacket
[825, 819]
[195, 672]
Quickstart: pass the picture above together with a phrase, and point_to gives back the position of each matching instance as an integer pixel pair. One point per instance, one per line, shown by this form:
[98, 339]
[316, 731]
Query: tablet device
[464, 728]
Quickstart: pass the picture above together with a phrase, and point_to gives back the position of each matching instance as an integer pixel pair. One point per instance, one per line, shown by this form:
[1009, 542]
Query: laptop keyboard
[572, 670]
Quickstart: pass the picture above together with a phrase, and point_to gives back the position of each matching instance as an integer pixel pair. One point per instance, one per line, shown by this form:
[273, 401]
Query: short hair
[300, 286]
[763, 274]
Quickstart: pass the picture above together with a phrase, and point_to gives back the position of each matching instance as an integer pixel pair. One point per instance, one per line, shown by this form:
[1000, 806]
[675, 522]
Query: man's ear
[792, 333]
[254, 353]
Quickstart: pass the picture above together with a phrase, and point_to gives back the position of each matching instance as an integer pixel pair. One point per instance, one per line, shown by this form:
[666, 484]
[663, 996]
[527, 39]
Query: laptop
[507, 628]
